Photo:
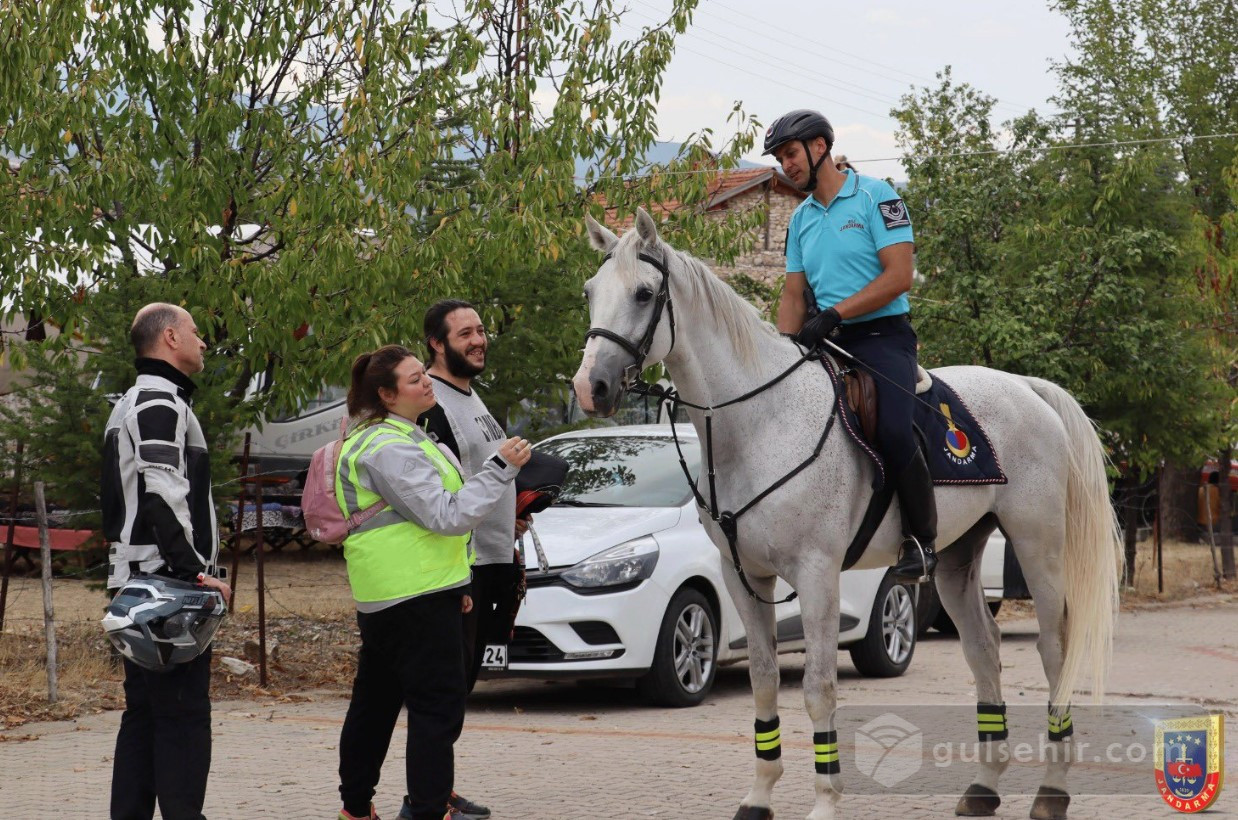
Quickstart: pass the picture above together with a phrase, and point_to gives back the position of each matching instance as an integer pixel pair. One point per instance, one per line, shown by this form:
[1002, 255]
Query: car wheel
[885, 650]
[943, 624]
[685, 660]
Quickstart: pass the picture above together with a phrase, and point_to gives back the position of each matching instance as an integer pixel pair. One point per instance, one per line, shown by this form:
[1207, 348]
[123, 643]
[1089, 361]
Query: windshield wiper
[571, 502]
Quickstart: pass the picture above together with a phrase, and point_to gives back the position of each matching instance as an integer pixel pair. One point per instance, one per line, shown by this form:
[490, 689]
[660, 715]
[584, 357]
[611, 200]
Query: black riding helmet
[804, 125]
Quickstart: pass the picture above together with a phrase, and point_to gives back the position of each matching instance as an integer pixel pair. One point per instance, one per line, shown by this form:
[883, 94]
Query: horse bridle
[728, 521]
[640, 350]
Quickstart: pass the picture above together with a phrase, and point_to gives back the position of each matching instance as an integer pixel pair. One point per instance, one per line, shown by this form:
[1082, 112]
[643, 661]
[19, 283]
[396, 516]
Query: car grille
[530, 646]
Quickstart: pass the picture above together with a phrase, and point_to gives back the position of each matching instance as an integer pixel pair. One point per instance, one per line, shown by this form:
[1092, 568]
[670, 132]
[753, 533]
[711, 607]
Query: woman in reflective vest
[408, 568]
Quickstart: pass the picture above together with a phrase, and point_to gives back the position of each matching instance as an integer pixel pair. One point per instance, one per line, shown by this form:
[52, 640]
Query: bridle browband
[639, 351]
[727, 521]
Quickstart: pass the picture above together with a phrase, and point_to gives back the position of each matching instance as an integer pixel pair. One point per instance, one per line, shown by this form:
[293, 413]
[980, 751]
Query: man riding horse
[851, 243]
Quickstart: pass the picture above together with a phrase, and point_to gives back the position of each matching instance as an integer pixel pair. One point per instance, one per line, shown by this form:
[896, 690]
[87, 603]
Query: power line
[780, 81]
[1040, 148]
[835, 50]
[875, 95]
[1114, 143]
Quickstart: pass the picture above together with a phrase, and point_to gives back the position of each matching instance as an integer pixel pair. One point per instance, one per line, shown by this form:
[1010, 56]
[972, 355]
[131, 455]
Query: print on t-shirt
[489, 427]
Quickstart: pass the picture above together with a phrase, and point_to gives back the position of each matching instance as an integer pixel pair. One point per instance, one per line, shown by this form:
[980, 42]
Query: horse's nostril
[600, 388]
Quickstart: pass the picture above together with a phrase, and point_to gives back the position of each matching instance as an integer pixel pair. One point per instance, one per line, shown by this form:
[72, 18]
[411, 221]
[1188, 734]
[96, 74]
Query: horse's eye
[643, 295]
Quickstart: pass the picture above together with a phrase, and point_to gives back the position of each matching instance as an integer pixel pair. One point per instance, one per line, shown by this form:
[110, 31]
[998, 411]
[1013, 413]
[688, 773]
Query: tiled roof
[722, 187]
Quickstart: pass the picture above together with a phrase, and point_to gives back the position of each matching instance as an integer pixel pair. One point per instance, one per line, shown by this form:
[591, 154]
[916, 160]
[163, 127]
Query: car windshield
[624, 471]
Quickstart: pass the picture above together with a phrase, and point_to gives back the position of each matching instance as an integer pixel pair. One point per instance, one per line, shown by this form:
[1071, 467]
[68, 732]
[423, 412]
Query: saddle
[862, 396]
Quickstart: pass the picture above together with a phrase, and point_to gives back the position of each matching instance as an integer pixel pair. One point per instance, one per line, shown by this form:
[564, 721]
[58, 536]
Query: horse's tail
[1092, 555]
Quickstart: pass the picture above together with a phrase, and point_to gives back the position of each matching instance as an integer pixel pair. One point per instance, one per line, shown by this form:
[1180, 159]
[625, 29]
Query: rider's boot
[917, 560]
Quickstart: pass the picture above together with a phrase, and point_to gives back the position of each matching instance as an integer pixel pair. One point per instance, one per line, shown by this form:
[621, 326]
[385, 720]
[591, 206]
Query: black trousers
[494, 595]
[888, 346]
[410, 656]
[163, 749]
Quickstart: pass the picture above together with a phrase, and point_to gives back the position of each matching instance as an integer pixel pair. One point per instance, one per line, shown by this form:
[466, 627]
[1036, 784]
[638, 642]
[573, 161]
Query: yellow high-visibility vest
[389, 556]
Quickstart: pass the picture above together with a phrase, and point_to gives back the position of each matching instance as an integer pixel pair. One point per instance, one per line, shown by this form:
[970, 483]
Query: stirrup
[917, 569]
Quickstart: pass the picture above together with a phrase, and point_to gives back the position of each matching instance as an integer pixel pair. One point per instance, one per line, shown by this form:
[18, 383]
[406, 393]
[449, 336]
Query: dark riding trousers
[888, 346]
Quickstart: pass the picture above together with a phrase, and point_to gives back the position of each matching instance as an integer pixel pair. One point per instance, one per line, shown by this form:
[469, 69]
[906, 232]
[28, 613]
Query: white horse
[1055, 507]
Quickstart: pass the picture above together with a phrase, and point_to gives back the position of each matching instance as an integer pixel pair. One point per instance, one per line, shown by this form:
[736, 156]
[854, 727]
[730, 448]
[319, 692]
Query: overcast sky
[851, 61]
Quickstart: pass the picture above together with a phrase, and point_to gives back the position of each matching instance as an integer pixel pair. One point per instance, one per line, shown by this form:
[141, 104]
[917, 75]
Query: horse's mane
[742, 322]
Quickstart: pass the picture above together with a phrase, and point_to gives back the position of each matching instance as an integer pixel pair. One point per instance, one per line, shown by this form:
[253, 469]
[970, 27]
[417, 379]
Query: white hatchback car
[628, 585]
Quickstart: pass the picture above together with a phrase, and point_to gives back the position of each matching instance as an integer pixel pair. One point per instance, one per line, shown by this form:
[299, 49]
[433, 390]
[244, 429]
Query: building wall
[765, 265]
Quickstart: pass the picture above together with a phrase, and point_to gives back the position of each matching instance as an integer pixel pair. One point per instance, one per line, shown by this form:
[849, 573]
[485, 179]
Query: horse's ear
[646, 228]
[600, 237]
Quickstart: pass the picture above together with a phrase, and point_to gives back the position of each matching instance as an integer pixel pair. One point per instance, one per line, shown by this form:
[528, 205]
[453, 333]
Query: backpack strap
[361, 516]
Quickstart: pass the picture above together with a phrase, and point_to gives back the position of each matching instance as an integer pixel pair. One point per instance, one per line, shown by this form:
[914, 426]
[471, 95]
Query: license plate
[494, 656]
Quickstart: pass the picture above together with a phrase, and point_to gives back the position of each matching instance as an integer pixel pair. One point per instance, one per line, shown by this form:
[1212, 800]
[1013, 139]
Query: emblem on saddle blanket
[1189, 761]
[956, 447]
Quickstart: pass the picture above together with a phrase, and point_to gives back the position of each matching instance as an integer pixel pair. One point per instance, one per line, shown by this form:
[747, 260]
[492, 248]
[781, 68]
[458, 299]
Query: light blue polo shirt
[836, 246]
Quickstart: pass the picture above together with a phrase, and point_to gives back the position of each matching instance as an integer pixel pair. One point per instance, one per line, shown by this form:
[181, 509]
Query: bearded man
[456, 346]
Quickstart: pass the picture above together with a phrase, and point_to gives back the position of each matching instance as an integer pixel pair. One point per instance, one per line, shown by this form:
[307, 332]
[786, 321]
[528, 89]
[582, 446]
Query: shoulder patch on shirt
[894, 213]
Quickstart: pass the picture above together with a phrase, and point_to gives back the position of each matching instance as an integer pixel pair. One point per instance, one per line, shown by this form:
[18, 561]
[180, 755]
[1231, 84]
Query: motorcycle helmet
[159, 622]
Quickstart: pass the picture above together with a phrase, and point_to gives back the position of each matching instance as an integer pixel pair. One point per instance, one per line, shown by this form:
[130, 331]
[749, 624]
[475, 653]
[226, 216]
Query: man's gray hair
[149, 324]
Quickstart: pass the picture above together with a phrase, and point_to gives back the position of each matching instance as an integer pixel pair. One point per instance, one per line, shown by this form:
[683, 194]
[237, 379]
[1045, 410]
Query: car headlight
[626, 563]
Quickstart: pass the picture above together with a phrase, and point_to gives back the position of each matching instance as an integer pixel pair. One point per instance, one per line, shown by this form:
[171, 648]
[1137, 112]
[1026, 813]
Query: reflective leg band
[1060, 727]
[825, 749]
[768, 739]
[991, 721]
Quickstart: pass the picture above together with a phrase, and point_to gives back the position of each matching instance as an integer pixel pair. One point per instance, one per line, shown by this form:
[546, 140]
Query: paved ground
[558, 750]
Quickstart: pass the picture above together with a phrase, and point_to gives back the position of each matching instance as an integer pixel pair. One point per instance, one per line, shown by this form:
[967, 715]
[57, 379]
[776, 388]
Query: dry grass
[88, 679]
[311, 631]
[1186, 572]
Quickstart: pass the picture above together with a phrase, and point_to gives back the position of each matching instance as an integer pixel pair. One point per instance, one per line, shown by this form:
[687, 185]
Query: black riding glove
[817, 328]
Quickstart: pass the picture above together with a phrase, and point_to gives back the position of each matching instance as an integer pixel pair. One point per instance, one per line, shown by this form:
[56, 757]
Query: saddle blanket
[956, 447]
[958, 450]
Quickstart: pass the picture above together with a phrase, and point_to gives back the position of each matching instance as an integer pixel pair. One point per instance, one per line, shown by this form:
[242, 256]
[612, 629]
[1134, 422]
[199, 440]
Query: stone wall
[763, 263]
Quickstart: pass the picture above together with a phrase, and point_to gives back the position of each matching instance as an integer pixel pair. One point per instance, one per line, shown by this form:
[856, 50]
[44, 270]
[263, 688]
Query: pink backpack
[324, 521]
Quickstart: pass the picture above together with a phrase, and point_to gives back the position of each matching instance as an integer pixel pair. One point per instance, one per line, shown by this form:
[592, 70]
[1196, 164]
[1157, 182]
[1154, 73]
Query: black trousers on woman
[411, 655]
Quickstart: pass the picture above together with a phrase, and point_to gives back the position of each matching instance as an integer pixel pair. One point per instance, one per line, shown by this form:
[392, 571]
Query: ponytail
[371, 371]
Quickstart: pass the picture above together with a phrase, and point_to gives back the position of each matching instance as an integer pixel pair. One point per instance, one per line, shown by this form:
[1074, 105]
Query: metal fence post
[49, 617]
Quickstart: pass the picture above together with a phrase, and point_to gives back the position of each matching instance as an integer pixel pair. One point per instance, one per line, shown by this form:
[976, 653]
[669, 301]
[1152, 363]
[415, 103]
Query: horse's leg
[1040, 555]
[818, 591]
[758, 620]
[961, 593]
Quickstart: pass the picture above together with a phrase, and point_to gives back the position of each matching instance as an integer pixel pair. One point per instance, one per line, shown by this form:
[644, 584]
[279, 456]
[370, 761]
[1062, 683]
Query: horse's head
[630, 323]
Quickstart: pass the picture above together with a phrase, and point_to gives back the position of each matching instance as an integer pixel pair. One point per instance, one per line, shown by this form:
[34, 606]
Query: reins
[726, 520]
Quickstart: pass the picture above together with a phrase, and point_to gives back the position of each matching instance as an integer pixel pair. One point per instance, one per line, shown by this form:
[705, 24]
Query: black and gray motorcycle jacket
[155, 491]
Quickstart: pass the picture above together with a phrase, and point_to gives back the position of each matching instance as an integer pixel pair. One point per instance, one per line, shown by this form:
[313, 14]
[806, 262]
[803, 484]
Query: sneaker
[458, 808]
[467, 808]
[344, 815]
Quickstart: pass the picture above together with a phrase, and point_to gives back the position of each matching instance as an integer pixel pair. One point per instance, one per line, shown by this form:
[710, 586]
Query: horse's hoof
[754, 813]
[1050, 804]
[978, 801]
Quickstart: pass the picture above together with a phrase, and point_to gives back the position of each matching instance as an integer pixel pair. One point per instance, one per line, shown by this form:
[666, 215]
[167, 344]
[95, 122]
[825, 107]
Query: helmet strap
[811, 185]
